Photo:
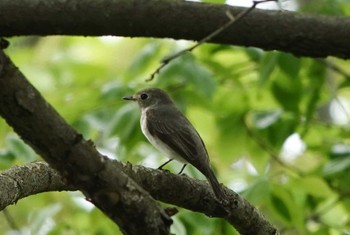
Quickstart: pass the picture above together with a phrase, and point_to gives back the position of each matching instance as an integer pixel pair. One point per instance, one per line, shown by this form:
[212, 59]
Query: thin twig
[232, 19]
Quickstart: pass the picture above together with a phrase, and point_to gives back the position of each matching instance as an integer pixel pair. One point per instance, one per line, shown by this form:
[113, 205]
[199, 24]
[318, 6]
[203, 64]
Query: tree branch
[22, 181]
[179, 190]
[39, 125]
[229, 23]
[302, 35]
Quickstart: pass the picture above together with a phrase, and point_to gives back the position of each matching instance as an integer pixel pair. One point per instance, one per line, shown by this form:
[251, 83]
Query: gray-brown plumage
[170, 132]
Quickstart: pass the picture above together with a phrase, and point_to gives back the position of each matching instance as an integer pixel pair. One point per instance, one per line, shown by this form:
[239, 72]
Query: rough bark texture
[39, 125]
[178, 190]
[22, 181]
[302, 35]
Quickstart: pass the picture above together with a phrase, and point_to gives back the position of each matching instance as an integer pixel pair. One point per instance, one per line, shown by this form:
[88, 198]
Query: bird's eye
[143, 96]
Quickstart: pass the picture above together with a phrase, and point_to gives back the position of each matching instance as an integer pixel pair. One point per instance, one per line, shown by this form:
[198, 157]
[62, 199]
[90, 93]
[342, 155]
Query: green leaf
[337, 166]
[42, 222]
[19, 149]
[311, 185]
[286, 86]
[255, 54]
[125, 123]
[264, 119]
[281, 207]
[258, 191]
[273, 127]
[316, 76]
[6, 159]
[146, 58]
[340, 151]
[289, 206]
[289, 64]
[187, 71]
[230, 107]
[266, 67]
[287, 91]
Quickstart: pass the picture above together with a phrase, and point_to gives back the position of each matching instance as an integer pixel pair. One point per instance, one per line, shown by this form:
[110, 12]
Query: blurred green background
[276, 126]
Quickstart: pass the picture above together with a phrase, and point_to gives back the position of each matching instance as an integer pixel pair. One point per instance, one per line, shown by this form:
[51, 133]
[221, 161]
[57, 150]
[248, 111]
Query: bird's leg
[161, 166]
[182, 169]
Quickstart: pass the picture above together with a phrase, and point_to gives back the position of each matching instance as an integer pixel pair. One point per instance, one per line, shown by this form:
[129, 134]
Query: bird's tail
[218, 191]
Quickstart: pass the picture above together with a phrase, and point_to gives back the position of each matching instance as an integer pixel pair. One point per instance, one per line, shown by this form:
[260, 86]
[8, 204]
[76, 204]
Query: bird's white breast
[158, 144]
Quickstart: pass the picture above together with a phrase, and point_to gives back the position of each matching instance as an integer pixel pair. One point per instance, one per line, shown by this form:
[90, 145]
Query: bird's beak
[130, 97]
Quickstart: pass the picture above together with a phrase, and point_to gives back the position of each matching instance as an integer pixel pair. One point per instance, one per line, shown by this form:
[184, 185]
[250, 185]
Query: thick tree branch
[302, 35]
[111, 190]
[179, 190]
[218, 31]
[22, 181]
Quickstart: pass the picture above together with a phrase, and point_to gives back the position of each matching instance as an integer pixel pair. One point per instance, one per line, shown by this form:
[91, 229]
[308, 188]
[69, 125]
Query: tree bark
[178, 190]
[301, 35]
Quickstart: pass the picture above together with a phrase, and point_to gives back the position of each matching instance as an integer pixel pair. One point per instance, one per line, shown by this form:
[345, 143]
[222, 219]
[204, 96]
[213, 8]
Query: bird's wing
[176, 132]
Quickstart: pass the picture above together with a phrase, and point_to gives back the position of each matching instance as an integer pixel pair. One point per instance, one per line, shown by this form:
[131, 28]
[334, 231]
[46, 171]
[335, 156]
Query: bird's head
[149, 97]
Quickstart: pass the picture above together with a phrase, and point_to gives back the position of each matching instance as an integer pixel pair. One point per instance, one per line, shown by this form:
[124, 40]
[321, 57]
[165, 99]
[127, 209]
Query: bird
[169, 131]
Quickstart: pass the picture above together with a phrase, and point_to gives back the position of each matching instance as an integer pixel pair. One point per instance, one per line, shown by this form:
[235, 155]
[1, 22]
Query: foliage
[247, 104]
